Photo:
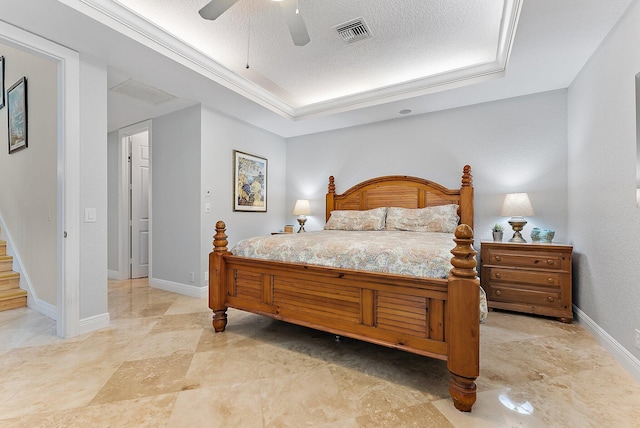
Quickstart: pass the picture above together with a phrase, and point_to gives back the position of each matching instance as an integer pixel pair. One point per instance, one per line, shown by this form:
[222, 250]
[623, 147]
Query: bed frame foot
[219, 320]
[463, 392]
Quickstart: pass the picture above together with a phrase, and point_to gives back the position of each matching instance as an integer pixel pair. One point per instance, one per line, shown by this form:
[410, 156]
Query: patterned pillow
[357, 220]
[442, 218]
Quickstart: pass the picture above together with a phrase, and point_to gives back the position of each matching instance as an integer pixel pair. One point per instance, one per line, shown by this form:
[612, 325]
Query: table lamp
[517, 205]
[302, 210]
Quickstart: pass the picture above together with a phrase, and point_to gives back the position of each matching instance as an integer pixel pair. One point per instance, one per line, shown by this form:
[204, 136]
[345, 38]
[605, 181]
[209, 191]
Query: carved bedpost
[464, 321]
[218, 279]
[331, 192]
[466, 197]
[467, 178]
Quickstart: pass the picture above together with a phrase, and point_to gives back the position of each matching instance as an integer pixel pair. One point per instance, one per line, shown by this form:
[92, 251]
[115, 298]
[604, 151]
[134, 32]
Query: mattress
[420, 254]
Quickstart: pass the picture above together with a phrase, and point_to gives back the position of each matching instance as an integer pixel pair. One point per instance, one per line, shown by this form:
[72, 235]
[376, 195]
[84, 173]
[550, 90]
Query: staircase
[11, 295]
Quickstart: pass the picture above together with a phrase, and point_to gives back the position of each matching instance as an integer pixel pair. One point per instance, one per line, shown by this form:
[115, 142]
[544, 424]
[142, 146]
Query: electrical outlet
[192, 277]
[637, 338]
[206, 275]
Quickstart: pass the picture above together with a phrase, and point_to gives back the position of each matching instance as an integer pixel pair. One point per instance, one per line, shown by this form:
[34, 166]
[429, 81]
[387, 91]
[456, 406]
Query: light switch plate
[89, 215]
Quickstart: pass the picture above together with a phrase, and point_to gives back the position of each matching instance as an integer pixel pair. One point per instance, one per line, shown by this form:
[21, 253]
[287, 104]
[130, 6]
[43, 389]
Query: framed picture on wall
[1, 81]
[17, 112]
[249, 182]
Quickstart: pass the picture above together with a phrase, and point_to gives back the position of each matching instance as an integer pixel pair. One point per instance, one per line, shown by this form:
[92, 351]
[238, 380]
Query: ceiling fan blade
[215, 8]
[297, 27]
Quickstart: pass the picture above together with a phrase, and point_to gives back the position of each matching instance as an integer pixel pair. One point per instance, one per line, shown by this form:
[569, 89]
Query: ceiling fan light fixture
[289, 8]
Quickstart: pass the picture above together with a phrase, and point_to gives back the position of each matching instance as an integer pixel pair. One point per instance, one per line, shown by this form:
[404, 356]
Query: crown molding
[127, 22]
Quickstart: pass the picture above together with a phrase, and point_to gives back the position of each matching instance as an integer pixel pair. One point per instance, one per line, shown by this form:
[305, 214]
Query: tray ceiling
[415, 47]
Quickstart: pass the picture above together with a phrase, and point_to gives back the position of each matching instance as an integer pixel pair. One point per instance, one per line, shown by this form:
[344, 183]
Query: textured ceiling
[553, 41]
[417, 46]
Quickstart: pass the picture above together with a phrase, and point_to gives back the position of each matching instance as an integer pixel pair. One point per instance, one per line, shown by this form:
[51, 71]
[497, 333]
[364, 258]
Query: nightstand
[528, 277]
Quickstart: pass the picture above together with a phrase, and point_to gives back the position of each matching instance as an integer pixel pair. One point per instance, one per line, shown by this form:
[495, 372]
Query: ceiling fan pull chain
[248, 42]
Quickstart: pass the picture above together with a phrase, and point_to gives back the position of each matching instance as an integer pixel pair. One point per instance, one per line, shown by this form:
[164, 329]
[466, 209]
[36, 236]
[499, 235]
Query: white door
[139, 204]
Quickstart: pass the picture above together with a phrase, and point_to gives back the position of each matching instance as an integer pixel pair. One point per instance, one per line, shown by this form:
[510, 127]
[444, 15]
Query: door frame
[67, 310]
[124, 208]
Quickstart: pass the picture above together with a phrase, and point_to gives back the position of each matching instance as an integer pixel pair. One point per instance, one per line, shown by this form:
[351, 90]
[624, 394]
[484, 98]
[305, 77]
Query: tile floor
[161, 365]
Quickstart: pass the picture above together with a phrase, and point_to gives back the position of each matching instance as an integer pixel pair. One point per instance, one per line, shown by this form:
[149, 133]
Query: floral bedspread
[421, 254]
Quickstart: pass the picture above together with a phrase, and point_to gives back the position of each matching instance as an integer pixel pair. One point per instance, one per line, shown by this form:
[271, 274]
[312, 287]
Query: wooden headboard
[405, 192]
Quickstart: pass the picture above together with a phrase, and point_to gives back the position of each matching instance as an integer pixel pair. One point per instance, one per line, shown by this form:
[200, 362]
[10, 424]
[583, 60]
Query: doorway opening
[135, 201]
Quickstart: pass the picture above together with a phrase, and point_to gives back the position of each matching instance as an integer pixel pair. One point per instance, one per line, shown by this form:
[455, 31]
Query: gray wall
[112, 204]
[604, 220]
[93, 187]
[512, 145]
[192, 153]
[28, 198]
[221, 135]
[28, 190]
[175, 196]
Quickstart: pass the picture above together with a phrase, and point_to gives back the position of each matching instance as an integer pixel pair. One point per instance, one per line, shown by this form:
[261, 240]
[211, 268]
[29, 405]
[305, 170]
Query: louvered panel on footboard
[248, 285]
[400, 313]
[318, 298]
[388, 313]
[415, 315]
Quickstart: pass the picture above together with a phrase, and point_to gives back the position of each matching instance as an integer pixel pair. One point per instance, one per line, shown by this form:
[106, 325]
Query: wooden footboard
[433, 317]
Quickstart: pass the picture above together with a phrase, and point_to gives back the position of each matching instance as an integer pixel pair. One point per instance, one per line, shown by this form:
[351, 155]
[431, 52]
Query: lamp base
[517, 225]
[302, 221]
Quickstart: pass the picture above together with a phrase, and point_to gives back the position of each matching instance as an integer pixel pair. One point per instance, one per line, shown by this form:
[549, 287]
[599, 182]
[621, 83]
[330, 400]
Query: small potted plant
[497, 232]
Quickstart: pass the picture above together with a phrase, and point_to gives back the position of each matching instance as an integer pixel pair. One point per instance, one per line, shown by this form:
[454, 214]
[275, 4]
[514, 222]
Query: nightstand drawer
[521, 276]
[553, 261]
[538, 297]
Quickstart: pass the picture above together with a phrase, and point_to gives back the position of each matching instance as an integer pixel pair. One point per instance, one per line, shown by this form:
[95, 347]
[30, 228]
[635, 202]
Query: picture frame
[1, 81]
[17, 112]
[249, 182]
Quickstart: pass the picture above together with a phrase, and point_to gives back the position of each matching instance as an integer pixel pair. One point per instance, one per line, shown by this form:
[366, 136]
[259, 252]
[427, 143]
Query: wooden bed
[437, 318]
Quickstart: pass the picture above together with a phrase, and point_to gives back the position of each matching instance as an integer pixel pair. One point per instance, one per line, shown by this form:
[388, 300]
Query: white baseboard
[113, 274]
[620, 353]
[46, 309]
[176, 287]
[96, 322]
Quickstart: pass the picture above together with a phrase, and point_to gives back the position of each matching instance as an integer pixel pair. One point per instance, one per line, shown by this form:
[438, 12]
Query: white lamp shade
[516, 205]
[302, 207]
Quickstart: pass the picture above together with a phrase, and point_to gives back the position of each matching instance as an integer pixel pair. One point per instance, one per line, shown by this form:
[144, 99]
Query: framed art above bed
[249, 182]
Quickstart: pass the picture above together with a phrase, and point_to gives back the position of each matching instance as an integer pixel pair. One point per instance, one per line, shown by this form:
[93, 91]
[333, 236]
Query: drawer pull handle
[498, 275]
[550, 280]
[549, 262]
[498, 258]
[498, 292]
[550, 299]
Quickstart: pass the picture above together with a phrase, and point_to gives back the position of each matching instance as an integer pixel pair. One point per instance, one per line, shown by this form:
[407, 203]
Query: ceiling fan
[289, 8]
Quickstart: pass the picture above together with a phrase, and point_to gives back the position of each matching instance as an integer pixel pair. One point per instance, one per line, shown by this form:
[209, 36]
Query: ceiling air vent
[353, 30]
[142, 92]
